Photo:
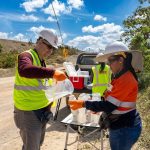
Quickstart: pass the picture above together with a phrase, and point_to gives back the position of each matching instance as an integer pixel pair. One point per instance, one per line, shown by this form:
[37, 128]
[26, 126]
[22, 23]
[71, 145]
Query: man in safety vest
[31, 107]
[101, 78]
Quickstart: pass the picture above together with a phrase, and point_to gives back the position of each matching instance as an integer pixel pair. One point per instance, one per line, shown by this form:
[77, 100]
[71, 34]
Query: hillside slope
[9, 50]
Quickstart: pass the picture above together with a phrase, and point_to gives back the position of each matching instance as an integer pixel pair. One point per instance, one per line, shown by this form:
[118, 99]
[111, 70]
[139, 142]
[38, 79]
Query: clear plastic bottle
[58, 90]
[74, 112]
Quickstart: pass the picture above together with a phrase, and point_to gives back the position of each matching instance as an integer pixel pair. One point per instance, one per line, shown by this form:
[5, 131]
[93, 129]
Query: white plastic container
[58, 90]
[70, 69]
[96, 97]
[95, 118]
[82, 115]
[74, 112]
[88, 116]
[84, 97]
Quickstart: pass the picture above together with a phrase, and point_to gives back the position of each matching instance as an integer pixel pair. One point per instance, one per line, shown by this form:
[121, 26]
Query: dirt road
[9, 135]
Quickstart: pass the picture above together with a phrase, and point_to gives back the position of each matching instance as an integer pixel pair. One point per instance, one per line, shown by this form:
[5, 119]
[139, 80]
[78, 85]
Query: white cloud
[3, 35]
[86, 42]
[106, 28]
[19, 37]
[100, 18]
[51, 19]
[36, 30]
[31, 5]
[19, 17]
[64, 36]
[77, 4]
[107, 33]
[59, 8]
[28, 18]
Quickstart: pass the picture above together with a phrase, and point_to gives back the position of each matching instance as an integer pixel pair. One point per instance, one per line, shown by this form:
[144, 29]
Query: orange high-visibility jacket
[123, 94]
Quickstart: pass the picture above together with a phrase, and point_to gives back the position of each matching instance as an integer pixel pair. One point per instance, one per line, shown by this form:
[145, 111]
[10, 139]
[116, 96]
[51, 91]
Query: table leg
[67, 135]
[78, 137]
[102, 132]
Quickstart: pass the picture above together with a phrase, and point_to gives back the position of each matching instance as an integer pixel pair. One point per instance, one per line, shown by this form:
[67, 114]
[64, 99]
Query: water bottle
[82, 111]
[88, 116]
[59, 90]
[95, 117]
[96, 97]
[74, 112]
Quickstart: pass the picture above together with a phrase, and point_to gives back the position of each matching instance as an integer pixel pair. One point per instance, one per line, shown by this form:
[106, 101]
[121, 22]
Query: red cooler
[78, 82]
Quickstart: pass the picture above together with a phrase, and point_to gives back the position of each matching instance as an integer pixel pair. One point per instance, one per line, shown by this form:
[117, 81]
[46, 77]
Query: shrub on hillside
[147, 63]
[22, 44]
[7, 60]
[144, 80]
[1, 47]
[144, 77]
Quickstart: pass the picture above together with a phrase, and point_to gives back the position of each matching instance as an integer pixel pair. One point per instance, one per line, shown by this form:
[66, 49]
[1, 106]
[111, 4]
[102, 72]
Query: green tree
[137, 29]
[137, 34]
[142, 1]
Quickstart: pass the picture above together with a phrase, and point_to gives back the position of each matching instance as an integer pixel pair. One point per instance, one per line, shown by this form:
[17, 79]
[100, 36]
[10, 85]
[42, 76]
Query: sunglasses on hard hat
[47, 44]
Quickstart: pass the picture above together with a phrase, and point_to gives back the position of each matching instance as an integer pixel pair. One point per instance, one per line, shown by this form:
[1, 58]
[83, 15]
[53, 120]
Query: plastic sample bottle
[74, 112]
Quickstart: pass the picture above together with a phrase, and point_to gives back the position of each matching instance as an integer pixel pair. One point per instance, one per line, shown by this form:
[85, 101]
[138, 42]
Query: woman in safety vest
[101, 78]
[120, 100]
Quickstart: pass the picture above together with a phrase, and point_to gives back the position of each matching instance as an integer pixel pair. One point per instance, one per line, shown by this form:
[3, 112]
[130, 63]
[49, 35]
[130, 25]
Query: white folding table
[80, 135]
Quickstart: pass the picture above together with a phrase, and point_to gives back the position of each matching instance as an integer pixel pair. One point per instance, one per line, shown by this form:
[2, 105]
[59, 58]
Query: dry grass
[144, 109]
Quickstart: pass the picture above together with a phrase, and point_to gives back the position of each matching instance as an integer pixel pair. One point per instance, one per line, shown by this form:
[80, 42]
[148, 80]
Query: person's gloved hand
[59, 75]
[76, 104]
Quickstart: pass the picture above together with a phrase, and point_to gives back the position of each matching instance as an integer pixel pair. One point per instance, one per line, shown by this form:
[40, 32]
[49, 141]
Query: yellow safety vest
[100, 79]
[29, 93]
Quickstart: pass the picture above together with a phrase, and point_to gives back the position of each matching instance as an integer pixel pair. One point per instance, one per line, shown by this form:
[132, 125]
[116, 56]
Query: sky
[85, 24]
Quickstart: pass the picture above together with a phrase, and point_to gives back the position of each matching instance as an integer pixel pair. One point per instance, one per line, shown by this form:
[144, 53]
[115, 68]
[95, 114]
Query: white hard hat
[119, 48]
[100, 55]
[50, 37]
[116, 47]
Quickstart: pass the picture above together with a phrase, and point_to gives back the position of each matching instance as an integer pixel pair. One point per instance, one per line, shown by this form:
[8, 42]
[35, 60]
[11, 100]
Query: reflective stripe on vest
[121, 112]
[123, 107]
[96, 85]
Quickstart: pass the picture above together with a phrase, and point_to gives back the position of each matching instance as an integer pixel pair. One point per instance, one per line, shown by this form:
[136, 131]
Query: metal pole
[101, 139]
